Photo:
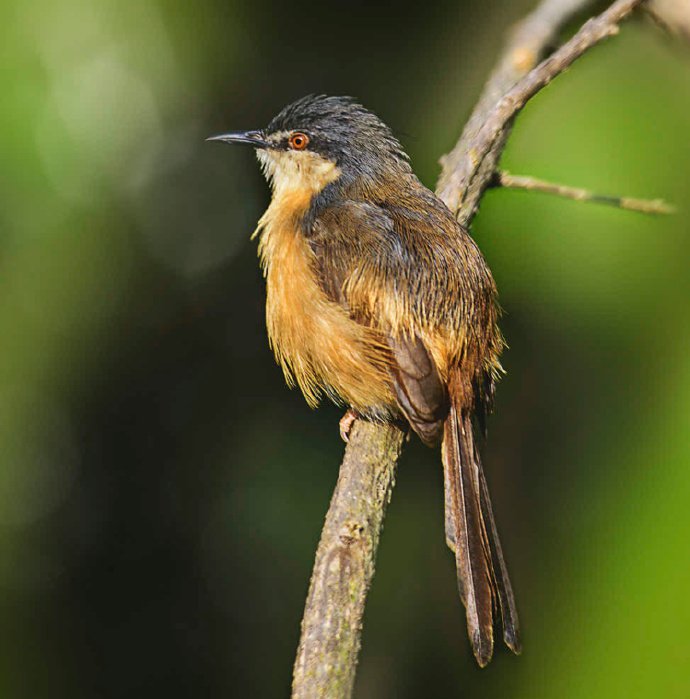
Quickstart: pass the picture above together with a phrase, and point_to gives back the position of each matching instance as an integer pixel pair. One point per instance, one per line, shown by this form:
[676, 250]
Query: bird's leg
[346, 422]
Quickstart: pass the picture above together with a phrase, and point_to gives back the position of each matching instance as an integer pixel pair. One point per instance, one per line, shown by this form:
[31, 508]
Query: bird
[377, 298]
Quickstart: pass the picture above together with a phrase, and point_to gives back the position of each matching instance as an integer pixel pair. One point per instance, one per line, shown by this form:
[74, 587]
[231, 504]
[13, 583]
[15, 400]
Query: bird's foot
[346, 422]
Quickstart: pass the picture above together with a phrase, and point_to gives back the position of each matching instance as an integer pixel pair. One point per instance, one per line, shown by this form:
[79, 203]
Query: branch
[645, 206]
[469, 167]
[331, 626]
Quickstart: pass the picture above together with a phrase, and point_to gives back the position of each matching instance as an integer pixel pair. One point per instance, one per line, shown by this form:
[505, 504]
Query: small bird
[378, 299]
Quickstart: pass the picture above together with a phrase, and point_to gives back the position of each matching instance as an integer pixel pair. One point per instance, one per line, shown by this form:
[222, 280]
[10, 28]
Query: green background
[162, 492]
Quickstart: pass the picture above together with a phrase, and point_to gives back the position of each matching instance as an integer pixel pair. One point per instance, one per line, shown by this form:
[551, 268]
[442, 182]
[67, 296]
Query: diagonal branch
[469, 167]
[331, 627]
[332, 624]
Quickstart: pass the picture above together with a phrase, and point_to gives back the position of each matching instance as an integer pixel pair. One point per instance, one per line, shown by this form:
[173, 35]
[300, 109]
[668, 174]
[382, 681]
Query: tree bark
[332, 623]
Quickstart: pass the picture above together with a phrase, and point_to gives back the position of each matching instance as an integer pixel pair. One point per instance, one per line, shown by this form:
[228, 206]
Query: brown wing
[354, 237]
[421, 394]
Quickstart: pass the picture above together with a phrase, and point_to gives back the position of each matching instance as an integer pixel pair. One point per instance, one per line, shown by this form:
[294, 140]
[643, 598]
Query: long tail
[482, 574]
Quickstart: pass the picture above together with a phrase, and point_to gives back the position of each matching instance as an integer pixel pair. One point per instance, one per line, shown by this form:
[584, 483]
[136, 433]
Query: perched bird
[380, 300]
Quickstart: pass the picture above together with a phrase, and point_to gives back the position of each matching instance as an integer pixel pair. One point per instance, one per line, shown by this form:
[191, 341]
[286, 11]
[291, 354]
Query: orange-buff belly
[320, 348]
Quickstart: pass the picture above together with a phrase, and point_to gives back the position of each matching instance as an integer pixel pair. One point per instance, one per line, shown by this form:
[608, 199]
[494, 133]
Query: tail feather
[482, 575]
[506, 598]
[472, 562]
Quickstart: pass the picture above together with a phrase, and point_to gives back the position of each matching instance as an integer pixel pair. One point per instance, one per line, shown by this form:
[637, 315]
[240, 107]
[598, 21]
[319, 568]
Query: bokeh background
[162, 492]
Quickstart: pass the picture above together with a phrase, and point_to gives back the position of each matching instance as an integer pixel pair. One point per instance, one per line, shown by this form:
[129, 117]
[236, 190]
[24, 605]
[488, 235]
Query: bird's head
[318, 140]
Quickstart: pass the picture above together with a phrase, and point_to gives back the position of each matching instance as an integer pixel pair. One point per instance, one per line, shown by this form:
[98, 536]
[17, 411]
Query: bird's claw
[346, 422]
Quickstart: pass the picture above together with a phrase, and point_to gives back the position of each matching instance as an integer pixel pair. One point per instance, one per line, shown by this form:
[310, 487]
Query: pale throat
[297, 171]
[296, 177]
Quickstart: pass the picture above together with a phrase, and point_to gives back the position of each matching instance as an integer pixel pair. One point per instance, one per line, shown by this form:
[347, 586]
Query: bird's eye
[298, 141]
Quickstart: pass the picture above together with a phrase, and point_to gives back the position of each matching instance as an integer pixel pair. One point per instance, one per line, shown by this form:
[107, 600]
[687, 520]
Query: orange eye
[298, 141]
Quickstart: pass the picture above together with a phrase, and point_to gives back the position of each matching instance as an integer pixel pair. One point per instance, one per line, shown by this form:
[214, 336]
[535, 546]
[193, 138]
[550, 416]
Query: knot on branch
[350, 533]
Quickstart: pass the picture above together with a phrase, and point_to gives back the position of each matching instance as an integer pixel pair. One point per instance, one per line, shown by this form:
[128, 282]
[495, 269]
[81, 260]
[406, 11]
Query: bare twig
[331, 627]
[645, 206]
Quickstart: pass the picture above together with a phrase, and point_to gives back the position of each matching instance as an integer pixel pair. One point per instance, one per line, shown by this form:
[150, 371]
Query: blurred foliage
[162, 492]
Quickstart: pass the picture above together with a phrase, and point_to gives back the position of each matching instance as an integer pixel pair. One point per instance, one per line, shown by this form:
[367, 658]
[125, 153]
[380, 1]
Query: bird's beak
[252, 138]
